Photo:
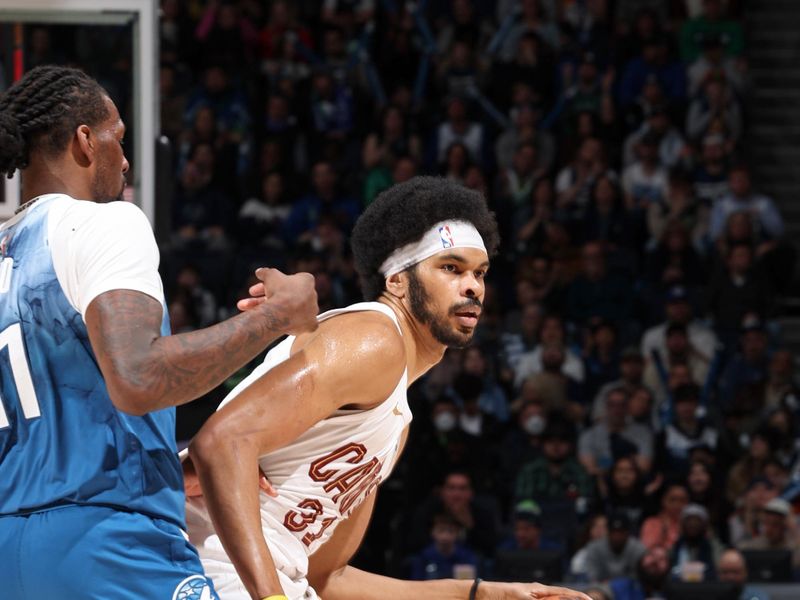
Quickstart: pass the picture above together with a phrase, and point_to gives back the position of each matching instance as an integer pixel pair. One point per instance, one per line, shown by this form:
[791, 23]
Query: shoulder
[365, 346]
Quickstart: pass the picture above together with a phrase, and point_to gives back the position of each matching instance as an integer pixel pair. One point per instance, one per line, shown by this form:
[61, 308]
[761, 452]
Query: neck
[423, 351]
[49, 176]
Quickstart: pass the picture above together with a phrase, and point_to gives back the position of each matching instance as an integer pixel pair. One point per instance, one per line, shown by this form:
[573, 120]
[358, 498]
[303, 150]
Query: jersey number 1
[11, 337]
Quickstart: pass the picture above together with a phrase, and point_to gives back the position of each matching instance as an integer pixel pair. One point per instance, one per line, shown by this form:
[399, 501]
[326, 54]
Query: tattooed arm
[144, 371]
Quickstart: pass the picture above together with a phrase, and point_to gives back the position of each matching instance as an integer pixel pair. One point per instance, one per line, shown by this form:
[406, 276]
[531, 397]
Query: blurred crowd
[626, 406]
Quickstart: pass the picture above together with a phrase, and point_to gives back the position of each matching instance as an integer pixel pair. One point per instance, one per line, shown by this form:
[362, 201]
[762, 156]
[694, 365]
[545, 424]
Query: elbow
[130, 400]
[215, 444]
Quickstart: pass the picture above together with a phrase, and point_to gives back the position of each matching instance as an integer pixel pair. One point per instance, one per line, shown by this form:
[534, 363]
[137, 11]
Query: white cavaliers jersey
[320, 478]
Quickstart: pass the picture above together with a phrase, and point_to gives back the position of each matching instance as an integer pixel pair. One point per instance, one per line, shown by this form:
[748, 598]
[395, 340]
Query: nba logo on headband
[446, 236]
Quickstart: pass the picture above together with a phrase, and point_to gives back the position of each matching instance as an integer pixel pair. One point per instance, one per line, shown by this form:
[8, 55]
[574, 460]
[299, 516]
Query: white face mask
[534, 424]
[444, 422]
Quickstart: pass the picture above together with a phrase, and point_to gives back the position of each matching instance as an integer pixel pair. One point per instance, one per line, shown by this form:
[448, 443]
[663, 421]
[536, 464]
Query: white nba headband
[442, 236]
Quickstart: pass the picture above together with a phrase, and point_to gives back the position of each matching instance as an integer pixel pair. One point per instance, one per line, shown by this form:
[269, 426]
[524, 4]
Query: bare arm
[333, 367]
[145, 371]
[333, 579]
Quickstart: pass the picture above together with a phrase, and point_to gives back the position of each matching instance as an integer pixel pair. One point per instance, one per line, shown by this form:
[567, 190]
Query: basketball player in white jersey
[325, 416]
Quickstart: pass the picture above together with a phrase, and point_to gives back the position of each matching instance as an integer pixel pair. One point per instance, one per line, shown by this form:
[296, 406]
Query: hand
[292, 299]
[492, 590]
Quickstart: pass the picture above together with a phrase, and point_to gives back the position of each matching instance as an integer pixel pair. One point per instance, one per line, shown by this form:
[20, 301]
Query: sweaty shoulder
[362, 354]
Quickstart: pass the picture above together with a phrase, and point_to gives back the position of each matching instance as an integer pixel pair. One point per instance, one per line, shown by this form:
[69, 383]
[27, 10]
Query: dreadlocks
[42, 110]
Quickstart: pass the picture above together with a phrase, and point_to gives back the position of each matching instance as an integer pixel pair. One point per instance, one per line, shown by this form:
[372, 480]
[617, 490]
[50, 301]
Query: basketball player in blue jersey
[326, 415]
[91, 492]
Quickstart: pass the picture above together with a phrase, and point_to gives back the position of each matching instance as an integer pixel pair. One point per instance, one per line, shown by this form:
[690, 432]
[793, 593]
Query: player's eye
[450, 268]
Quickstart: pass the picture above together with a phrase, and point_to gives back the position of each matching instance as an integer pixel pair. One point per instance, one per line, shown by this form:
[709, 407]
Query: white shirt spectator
[650, 187]
[762, 209]
[530, 363]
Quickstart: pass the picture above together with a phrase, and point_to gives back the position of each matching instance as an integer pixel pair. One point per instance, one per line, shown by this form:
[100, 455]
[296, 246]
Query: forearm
[228, 470]
[182, 367]
[350, 583]
[146, 372]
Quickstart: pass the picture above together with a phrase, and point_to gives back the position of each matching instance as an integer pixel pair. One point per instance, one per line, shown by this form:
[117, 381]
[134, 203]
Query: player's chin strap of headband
[442, 236]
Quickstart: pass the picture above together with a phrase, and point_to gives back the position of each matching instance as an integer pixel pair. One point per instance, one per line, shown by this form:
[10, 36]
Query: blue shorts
[97, 553]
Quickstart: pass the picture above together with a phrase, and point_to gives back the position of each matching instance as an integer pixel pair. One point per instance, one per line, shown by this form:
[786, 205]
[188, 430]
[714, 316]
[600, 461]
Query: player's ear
[85, 145]
[397, 284]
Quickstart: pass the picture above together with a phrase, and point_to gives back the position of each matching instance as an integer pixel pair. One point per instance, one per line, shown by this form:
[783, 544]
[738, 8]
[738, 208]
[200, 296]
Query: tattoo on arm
[125, 327]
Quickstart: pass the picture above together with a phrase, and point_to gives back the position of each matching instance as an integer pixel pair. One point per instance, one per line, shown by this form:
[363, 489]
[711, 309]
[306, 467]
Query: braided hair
[42, 110]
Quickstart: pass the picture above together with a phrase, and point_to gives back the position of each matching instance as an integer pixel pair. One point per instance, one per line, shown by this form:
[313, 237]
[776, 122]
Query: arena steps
[773, 127]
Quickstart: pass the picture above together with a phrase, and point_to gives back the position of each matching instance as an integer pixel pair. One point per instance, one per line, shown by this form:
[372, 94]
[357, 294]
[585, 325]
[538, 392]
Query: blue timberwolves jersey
[62, 441]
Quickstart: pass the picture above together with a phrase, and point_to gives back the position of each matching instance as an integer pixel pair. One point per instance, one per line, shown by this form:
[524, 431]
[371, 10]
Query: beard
[100, 188]
[442, 331]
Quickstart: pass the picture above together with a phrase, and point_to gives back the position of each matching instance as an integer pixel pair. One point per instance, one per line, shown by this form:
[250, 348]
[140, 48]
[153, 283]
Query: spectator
[715, 63]
[556, 389]
[522, 336]
[588, 93]
[331, 111]
[527, 530]
[712, 21]
[600, 355]
[766, 218]
[750, 466]
[679, 352]
[616, 555]
[576, 180]
[732, 568]
[201, 208]
[227, 102]
[737, 292]
[717, 108]
[654, 61]
[492, 399]
[663, 529]
[674, 261]
[607, 220]
[595, 528]
[777, 530]
[678, 310]
[710, 176]
[532, 20]
[551, 333]
[781, 386]
[481, 428]
[525, 128]
[596, 292]
[227, 36]
[261, 218]
[556, 478]
[743, 522]
[614, 437]
[672, 148]
[645, 180]
[515, 184]
[705, 490]
[282, 27]
[631, 368]
[652, 573]
[748, 369]
[466, 26]
[624, 490]
[522, 444]
[695, 544]
[458, 128]
[436, 561]
[478, 518]
[325, 199]
[391, 141]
